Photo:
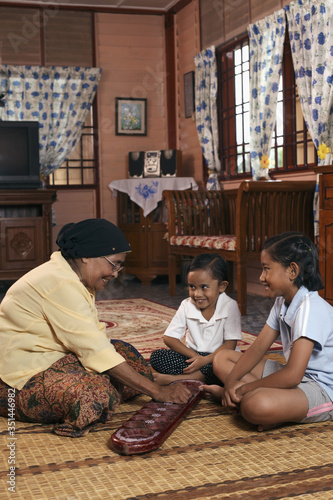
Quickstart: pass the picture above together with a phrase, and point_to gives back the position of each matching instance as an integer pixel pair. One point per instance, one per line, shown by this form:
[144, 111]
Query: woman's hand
[175, 393]
[195, 363]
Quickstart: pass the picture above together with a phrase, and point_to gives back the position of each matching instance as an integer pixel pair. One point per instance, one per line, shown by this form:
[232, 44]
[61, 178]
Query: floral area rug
[142, 323]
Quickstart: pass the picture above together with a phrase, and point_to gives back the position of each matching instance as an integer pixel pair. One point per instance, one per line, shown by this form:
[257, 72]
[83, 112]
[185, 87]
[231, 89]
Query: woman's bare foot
[213, 391]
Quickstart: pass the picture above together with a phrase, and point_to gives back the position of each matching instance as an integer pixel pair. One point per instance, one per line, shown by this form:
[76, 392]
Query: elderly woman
[56, 359]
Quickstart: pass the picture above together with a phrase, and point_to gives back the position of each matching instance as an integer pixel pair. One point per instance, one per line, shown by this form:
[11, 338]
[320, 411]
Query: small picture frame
[189, 94]
[131, 116]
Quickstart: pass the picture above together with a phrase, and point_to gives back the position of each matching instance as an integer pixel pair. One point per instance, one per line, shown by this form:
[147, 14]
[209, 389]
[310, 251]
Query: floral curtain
[59, 98]
[310, 26]
[266, 38]
[206, 112]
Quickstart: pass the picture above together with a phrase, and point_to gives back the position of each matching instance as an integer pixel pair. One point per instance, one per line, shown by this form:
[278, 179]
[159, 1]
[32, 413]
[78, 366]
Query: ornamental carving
[21, 244]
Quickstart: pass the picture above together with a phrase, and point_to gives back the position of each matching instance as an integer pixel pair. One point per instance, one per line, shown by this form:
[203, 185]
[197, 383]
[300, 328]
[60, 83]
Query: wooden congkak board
[150, 426]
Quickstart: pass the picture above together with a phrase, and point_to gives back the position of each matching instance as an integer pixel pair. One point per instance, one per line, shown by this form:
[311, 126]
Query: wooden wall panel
[211, 22]
[222, 20]
[67, 36]
[19, 36]
[187, 45]
[236, 18]
[260, 9]
[131, 53]
[69, 39]
[72, 206]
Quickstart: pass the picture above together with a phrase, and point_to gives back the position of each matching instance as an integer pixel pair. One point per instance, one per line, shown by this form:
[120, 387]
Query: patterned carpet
[211, 455]
[142, 322]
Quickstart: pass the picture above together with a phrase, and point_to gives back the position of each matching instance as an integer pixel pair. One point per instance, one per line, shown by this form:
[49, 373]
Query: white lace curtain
[206, 112]
[266, 38]
[59, 98]
[310, 26]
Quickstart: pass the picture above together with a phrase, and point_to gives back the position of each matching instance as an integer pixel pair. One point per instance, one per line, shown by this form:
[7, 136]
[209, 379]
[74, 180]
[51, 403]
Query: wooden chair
[235, 223]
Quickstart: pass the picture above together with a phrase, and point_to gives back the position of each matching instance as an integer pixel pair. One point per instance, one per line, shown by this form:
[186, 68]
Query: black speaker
[135, 164]
[171, 162]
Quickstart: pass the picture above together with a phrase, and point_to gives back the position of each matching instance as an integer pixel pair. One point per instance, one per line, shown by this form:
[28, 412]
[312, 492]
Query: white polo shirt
[310, 316]
[202, 335]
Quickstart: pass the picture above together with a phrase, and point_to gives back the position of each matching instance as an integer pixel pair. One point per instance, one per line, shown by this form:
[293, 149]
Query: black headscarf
[91, 238]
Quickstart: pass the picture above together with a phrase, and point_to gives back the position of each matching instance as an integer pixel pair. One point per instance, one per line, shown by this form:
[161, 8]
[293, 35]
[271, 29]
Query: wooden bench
[235, 223]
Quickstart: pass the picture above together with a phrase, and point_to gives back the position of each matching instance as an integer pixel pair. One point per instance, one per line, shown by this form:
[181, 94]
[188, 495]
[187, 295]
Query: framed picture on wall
[189, 94]
[131, 116]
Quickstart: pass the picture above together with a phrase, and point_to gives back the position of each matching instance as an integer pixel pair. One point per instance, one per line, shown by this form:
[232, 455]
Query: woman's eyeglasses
[115, 267]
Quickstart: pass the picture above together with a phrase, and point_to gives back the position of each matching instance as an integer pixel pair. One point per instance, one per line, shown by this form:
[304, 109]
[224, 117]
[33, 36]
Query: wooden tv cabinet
[25, 226]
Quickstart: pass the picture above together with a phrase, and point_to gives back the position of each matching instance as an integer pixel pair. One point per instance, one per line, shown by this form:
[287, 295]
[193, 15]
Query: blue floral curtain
[310, 26]
[59, 98]
[266, 38]
[206, 112]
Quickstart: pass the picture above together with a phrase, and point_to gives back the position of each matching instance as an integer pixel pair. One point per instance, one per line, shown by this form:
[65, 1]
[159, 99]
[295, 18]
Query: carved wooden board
[150, 426]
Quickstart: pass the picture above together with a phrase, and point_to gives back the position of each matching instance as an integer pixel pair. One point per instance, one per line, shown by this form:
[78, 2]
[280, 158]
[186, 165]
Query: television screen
[19, 154]
[14, 162]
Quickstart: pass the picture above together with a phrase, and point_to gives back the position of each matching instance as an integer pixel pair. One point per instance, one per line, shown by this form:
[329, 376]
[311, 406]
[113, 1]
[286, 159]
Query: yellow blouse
[45, 315]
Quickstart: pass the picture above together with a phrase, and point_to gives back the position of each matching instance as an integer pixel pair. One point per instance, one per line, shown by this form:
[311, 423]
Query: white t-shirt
[310, 316]
[202, 335]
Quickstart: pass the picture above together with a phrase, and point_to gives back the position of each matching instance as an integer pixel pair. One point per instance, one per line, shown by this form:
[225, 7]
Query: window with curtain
[50, 36]
[80, 169]
[292, 146]
[73, 30]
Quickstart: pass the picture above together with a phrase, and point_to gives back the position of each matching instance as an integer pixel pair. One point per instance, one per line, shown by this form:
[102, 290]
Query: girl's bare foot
[213, 391]
[262, 428]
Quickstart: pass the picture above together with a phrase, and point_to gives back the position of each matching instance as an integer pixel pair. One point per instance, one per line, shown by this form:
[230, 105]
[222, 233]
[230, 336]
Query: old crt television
[19, 155]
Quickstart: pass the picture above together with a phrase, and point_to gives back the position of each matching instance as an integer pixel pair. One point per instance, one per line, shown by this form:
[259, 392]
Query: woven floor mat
[211, 455]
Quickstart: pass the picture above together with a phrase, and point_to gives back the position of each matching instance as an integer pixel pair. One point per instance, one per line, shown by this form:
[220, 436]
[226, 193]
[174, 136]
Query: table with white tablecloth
[147, 192]
[142, 218]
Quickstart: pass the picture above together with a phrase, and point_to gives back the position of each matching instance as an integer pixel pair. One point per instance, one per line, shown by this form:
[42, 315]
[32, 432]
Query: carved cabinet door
[21, 247]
